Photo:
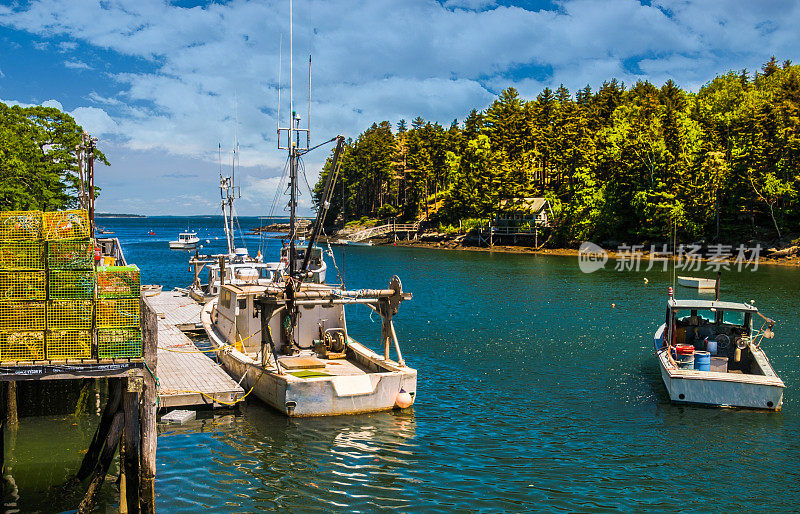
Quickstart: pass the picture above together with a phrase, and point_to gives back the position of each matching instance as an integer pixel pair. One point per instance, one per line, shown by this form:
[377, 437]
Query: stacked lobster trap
[55, 303]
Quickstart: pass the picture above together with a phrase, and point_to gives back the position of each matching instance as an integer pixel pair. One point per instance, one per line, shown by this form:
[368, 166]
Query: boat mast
[296, 147]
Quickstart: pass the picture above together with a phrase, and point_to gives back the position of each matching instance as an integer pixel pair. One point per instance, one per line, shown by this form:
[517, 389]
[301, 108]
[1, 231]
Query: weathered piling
[147, 420]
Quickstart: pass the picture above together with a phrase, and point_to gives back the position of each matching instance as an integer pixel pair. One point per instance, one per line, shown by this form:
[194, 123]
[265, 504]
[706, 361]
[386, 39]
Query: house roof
[530, 205]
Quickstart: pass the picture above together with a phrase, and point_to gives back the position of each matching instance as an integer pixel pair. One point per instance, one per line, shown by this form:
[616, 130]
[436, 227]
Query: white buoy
[646, 281]
[403, 400]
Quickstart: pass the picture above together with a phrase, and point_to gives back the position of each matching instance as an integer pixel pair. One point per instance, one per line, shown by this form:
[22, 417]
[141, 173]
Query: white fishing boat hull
[723, 389]
[179, 245]
[697, 282]
[316, 396]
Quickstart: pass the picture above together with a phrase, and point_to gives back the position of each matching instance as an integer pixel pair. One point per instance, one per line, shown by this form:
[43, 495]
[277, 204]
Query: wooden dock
[186, 376]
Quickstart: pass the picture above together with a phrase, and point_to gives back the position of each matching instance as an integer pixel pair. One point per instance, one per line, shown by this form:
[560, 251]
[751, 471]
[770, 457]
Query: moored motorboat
[186, 241]
[709, 354]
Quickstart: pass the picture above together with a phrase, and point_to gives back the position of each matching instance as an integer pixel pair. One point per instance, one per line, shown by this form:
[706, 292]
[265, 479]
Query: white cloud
[66, 46]
[76, 65]
[2, 75]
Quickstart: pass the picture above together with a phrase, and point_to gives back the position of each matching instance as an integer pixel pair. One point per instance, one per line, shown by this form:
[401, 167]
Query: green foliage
[38, 161]
[620, 163]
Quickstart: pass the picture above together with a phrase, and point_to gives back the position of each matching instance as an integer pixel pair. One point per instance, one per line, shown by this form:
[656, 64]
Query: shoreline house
[522, 216]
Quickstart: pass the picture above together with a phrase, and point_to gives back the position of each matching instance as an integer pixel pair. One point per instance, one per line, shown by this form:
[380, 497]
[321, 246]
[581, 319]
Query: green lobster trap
[70, 284]
[22, 285]
[21, 255]
[22, 346]
[119, 343]
[64, 314]
[118, 282]
[69, 344]
[20, 225]
[118, 312]
[22, 316]
[70, 255]
[62, 225]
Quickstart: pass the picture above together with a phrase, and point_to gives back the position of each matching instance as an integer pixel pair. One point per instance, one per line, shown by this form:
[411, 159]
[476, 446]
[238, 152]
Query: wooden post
[101, 434]
[130, 454]
[3, 389]
[11, 403]
[101, 469]
[147, 464]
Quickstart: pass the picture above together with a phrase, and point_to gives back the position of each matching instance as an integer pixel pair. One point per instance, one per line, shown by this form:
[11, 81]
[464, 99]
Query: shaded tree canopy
[623, 163]
[38, 158]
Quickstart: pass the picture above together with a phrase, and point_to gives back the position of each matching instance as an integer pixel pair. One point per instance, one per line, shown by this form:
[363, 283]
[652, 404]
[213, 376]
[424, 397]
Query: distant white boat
[186, 241]
[697, 282]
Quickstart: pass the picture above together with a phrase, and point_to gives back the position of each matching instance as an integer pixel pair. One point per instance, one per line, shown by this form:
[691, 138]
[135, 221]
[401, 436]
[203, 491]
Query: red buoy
[685, 349]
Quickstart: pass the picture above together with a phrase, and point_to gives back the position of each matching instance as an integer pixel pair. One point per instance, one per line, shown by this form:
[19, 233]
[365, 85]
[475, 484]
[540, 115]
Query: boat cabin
[724, 329]
[240, 322]
[316, 265]
[188, 237]
[255, 273]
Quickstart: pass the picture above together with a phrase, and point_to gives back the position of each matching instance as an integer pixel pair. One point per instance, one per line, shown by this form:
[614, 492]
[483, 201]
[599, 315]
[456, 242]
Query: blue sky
[162, 84]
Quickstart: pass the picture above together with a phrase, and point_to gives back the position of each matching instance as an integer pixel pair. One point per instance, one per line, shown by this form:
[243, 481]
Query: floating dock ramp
[187, 377]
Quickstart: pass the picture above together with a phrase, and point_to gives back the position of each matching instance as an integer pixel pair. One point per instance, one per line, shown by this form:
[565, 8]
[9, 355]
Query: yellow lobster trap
[19, 225]
[22, 346]
[76, 255]
[64, 314]
[22, 255]
[22, 285]
[63, 225]
[70, 284]
[69, 344]
[22, 316]
[119, 343]
[118, 312]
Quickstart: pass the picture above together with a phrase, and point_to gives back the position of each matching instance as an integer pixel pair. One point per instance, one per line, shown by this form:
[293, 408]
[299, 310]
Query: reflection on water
[538, 390]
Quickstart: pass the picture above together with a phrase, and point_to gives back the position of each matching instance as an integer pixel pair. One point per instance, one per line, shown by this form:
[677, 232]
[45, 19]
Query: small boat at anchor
[186, 241]
[710, 354]
[697, 282]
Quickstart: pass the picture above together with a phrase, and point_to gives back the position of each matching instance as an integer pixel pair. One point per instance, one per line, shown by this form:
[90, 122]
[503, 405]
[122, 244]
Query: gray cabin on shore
[522, 216]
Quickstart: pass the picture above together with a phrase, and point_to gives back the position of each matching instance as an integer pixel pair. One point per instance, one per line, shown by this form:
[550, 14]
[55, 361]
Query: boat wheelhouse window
[695, 316]
[264, 273]
[225, 299]
[242, 304]
[736, 318]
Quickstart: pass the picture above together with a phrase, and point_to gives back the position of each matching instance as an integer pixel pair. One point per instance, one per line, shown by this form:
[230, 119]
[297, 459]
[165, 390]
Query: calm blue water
[534, 394]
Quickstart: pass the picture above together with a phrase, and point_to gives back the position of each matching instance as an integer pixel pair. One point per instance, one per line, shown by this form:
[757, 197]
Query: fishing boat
[186, 241]
[697, 282]
[710, 354]
[288, 344]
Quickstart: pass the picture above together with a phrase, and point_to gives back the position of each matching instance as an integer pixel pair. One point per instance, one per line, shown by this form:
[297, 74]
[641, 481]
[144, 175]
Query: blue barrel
[685, 361]
[702, 361]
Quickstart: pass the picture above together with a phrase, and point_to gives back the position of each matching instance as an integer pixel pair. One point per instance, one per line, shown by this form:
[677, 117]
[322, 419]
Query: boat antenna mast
[291, 139]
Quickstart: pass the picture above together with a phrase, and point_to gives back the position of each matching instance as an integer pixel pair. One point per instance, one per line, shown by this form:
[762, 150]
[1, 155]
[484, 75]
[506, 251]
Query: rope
[213, 399]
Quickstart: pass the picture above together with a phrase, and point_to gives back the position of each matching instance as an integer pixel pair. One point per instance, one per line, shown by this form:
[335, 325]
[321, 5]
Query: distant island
[113, 215]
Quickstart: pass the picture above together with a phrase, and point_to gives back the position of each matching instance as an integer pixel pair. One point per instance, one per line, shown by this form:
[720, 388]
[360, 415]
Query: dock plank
[187, 377]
